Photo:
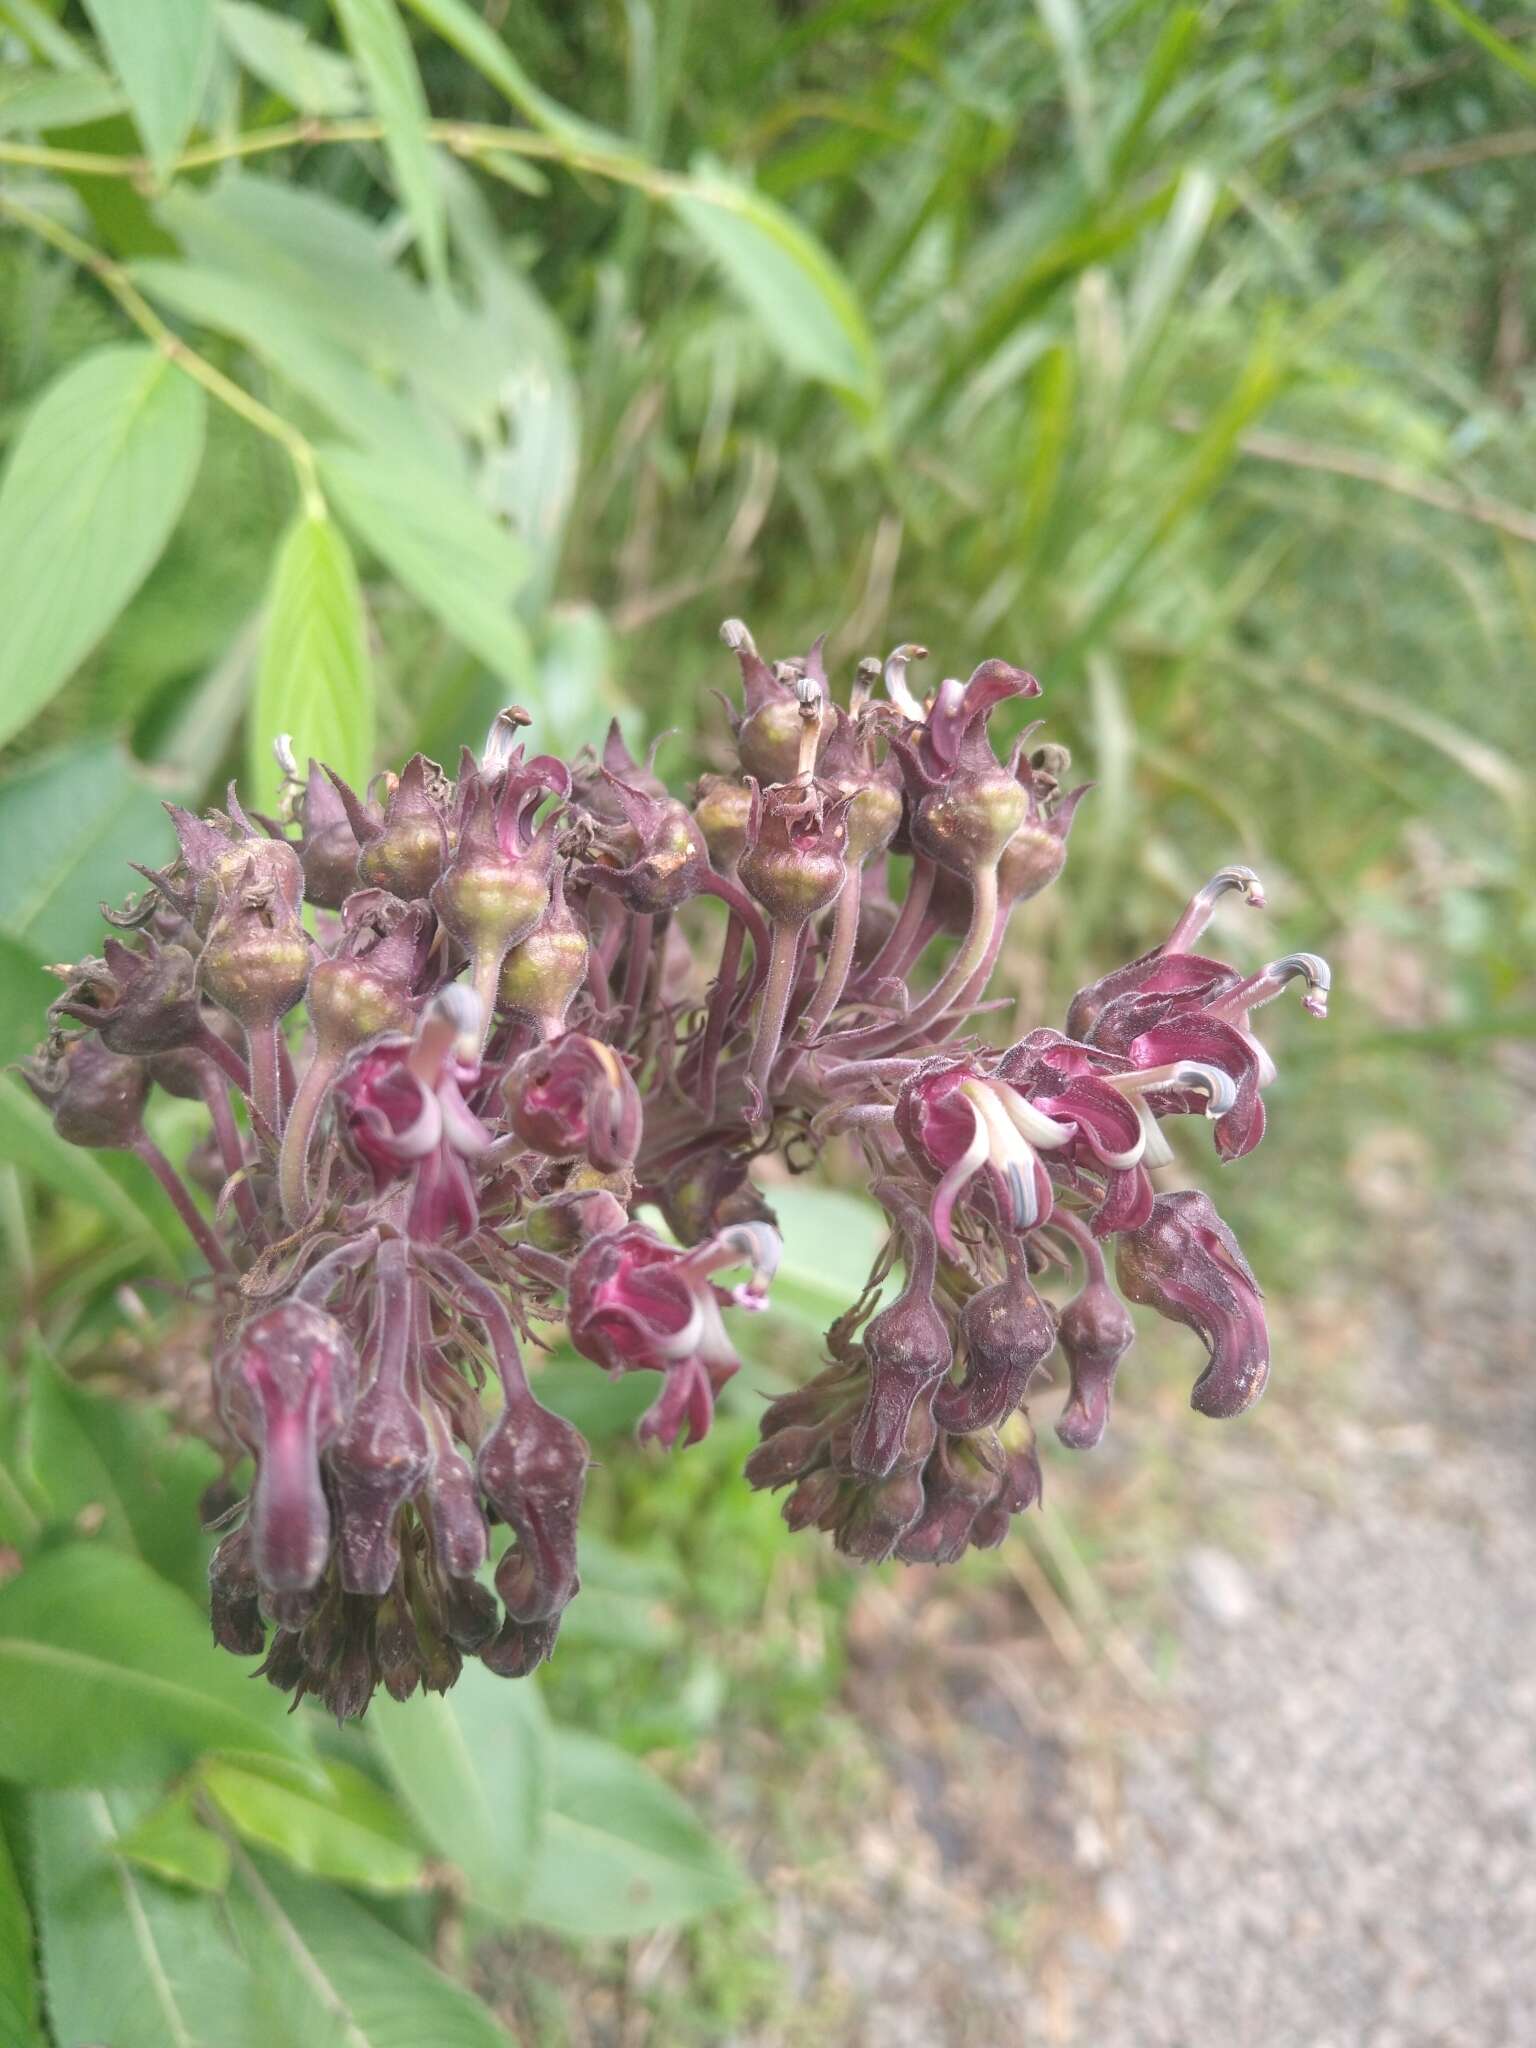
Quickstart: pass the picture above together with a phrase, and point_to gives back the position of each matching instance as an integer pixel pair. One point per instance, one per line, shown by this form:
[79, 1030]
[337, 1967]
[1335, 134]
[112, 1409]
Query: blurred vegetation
[1182, 353]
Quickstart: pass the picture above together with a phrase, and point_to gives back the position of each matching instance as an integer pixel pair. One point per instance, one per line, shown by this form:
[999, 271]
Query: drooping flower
[1187, 1265]
[638, 1304]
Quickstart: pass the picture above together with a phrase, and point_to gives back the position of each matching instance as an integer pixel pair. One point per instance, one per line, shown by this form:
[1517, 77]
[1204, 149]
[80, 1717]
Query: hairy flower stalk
[476, 1058]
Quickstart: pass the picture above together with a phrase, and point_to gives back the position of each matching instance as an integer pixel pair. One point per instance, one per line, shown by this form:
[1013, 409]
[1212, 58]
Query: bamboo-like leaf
[316, 680]
[461, 26]
[277, 51]
[70, 821]
[1505, 53]
[326, 270]
[376, 37]
[799, 296]
[163, 53]
[99, 477]
[1167, 266]
[31, 101]
[313, 362]
[448, 552]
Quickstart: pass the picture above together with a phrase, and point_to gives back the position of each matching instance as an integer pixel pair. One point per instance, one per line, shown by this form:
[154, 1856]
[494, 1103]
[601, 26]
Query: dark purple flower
[1187, 1265]
[638, 1304]
[287, 1388]
[574, 1098]
[400, 1111]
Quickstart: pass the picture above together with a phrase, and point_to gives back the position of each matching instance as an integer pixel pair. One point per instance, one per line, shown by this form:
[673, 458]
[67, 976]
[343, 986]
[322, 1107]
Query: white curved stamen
[686, 1342]
[957, 1177]
[1156, 1149]
[1120, 1162]
[897, 687]
[1218, 1086]
[501, 740]
[1024, 1194]
[1197, 913]
[1031, 1123]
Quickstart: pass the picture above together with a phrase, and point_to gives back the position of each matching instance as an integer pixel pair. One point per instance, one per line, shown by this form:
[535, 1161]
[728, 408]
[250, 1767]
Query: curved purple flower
[1187, 1265]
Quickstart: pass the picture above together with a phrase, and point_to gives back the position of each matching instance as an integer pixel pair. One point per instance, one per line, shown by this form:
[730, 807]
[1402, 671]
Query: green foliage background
[364, 367]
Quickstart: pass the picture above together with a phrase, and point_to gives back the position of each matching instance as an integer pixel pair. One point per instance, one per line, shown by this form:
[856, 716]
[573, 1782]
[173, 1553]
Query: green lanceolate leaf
[314, 80]
[377, 39]
[804, 304]
[340, 1978]
[470, 1766]
[70, 822]
[163, 54]
[174, 1844]
[25, 993]
[99, 477]
[447, 551]
[316, 681]
[346, 1827]
[129, 1960]
[29, 1141]
[20, 2006]
[621, 1852]
[31, 101]
[108, 1675]
[86, 1451]
[462, 26]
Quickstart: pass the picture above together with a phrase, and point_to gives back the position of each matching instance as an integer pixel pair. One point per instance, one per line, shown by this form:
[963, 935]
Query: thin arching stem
[834, 974]
[146, 1149]
[226, 1135]
[908, 920]
[970, 955]
[266, 1076]
[225, 1058]
[298, 1135]
[783, 959]
[736, 898]
[721, 1000]
[637, 967]
[480, 1299]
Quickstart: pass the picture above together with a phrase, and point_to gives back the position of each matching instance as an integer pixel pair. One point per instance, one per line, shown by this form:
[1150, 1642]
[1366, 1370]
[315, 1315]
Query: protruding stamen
[451, 1022]
[1197, 913]
[812, 701]
[866, 676]
[1264, 986]
[1032, 1123]
[1156, 1150]
[501, 741]
[1216, 1085]
[735, 635]
[897, 687]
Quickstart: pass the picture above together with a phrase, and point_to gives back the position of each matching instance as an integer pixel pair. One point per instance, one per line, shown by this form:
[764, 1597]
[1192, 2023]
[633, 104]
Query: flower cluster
[494, 1050]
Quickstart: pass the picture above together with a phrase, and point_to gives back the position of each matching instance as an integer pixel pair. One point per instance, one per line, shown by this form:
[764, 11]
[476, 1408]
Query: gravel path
[1335, 1846]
